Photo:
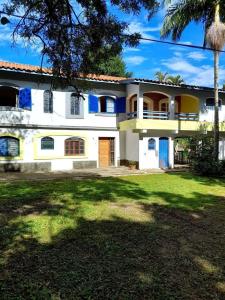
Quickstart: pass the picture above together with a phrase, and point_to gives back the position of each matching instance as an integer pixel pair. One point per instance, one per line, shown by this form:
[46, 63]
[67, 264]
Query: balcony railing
[161, 115]
[187, 116]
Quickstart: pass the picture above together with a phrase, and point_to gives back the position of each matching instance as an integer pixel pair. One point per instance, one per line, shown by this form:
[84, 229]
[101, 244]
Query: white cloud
[135, 60]
[138, 27]
[197, 75]
[196, 55]
[130, 49]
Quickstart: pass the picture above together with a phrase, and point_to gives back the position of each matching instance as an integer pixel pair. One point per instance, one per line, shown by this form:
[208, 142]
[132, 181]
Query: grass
[139, 237]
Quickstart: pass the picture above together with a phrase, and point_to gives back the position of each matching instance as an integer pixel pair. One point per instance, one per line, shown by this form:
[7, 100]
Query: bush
[201, 156]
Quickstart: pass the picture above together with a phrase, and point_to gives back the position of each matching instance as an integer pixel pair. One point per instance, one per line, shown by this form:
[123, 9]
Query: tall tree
[160, 76]
[210, 13]
[114, 66]
[76, 36]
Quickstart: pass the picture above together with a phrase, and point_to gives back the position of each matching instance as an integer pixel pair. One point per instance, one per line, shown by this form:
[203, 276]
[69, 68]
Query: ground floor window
[151, 144]
[47, 143]
[9, 146]
[74, 146]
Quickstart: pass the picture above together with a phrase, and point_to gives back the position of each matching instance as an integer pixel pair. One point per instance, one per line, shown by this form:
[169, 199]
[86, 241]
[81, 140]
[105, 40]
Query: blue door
[163, 152]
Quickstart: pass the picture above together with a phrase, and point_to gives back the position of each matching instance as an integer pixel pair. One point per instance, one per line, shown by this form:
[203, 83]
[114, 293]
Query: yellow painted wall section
[173, 125]
[189, 104]
[37, 141]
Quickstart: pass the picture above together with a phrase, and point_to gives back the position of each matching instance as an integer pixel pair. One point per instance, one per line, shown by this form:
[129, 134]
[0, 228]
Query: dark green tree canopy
[114, 66]
[77, 36]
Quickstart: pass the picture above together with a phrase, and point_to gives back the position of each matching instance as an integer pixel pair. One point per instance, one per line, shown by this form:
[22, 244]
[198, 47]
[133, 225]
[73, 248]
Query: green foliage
[202, 162]
[175, 79]
[114, 66]
[165, 77]
[76, 36]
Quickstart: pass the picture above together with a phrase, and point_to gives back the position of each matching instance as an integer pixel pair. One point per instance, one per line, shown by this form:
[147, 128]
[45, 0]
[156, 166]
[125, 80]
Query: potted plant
[132, 164]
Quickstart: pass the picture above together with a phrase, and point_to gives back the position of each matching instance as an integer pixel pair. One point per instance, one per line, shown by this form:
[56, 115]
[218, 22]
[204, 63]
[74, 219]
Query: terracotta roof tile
[35, 69]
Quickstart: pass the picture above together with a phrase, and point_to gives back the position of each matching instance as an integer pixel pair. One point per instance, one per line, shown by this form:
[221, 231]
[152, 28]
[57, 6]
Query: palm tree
[160, 76]
[210, 13]
[178, 80]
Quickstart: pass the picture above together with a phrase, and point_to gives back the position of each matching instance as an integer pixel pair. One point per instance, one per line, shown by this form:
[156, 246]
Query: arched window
[74, 104]
[151, 144]
[48, 101]
[164, 105]
[47, 143]
[107, 104]
[74, 146]
[9, 146]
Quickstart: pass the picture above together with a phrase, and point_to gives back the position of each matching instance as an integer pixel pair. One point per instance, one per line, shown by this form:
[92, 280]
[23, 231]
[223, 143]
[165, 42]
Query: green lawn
[139, 237]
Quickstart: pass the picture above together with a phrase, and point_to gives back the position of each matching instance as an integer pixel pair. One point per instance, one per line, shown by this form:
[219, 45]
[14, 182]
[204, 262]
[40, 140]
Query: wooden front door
[106, 152]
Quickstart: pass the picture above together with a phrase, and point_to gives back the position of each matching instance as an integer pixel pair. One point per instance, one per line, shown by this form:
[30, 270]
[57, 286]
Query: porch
[160, 106]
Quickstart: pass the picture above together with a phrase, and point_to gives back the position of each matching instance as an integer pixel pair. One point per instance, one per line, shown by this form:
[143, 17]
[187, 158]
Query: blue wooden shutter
[3, 147]
[120, 105]
[25, 98]
[93, 104]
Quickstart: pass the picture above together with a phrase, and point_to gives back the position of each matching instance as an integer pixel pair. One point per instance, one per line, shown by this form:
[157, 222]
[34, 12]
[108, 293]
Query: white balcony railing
[187, 116]
[161, 115]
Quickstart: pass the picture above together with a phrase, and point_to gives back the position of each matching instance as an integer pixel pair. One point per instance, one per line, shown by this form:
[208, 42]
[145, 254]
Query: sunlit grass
[138, 233]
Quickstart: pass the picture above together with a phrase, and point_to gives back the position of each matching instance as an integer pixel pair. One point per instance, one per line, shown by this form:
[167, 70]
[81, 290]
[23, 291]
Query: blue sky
[195, 66]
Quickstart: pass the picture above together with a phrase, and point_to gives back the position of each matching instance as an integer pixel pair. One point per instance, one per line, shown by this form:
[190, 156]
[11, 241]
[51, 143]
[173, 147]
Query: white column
[140, 104]
[172, 107]
[171, 152]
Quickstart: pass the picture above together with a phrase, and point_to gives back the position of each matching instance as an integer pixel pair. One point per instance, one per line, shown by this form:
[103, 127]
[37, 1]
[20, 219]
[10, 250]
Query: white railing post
[140, 104]
[172, 107]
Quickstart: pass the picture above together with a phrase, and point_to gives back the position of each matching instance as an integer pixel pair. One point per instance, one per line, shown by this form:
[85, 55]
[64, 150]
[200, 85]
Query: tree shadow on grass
[171, 258]
[174, 254]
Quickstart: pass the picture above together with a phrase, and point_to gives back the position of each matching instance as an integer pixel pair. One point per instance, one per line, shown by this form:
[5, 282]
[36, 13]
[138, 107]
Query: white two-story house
[116, 121]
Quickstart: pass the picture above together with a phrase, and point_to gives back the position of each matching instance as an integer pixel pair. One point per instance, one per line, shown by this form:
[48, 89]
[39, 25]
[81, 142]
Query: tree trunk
[216, 108]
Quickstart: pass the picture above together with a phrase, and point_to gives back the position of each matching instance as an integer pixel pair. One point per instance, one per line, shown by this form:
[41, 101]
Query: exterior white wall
[58, 118]
[132, 146]
[149, 159]
[31, 146]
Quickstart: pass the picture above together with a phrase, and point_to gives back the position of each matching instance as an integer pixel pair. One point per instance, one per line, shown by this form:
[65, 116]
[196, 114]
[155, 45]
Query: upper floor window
[47, 143]
[48, 101]
[210, 102]
[12, 98]
[74, 146]
[75, 104]
[9, 146]
[8, 96]
[106, 104]
[151, 144]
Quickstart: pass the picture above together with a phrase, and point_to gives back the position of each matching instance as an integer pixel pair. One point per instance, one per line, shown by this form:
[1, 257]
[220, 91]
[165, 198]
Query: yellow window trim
[66, 134]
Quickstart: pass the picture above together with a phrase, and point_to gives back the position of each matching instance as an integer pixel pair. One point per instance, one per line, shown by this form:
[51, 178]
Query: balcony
[160, 115]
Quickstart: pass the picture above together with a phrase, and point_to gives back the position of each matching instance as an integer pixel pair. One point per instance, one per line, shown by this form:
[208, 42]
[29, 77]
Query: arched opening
[48, 101]
[106, 104]
[151, 144]
[74, 146]
[8, 96]
[188, 107]
[9, 146]
[47, 143]
[159, 108]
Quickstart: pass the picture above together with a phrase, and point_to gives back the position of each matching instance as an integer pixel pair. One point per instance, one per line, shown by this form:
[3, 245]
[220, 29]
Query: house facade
[115, 121]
